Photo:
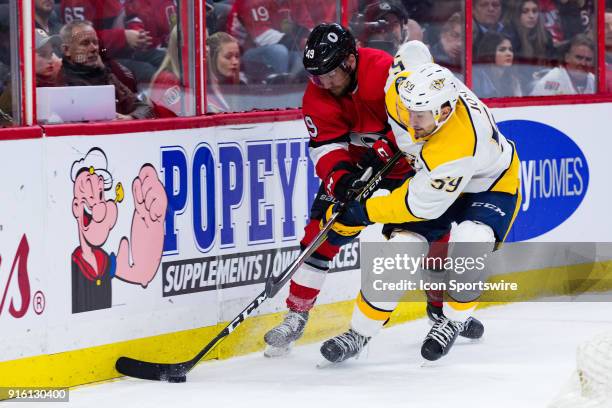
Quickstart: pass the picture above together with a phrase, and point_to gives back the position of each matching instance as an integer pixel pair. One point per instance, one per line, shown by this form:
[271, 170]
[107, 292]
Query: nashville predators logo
[437, 84]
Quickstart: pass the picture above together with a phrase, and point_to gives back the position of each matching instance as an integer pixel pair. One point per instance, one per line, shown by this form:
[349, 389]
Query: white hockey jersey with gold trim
[467, 154]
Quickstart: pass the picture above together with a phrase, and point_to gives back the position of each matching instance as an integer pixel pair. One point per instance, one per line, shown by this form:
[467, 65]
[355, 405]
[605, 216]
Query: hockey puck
[177, 379]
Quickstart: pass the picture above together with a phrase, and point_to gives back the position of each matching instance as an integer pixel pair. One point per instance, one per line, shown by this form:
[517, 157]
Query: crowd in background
[254, 47]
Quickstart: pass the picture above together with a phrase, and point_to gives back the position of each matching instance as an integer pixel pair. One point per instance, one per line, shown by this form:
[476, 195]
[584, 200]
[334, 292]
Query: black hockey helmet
[327, 48]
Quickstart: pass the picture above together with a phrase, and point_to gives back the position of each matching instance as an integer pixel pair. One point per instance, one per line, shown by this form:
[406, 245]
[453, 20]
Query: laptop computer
[64, 104]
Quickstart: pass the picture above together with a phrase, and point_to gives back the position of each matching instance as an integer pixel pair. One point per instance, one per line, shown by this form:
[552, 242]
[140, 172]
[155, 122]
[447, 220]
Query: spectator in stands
[82, 65]
[155, 18]
[533, 43]
[552, 20]
[106, 17]
[575, 75]
[223, 70]
[109, 18]
[309, 13]
[47, 64]
[268, 48]
[167, 89]
[487, 18]
[383, 26]
[432, 18]
[493, 76]
[577, 17]
[448, 51]
[45, 18]
[420, 10]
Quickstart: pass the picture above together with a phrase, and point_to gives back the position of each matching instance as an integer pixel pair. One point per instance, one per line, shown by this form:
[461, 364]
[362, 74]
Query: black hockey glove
[344, 185]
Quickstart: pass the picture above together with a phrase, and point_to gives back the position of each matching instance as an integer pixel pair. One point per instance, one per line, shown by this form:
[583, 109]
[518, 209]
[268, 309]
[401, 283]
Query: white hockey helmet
[428, 88]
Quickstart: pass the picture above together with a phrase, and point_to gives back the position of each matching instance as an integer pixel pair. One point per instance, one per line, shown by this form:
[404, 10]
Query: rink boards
[238, 199]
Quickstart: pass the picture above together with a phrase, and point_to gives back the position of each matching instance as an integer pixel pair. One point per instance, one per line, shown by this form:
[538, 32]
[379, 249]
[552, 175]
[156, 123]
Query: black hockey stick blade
[153, 371]
[177, 372]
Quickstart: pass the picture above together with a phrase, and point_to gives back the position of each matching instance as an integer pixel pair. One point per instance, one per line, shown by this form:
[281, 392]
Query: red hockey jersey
[155, 16]
[257, 21]
[166, 95]
[104, 14]
[341, 129]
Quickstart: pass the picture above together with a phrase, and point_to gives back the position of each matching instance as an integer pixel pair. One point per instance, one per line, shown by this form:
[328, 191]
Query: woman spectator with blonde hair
[223, 70]
[167, 89]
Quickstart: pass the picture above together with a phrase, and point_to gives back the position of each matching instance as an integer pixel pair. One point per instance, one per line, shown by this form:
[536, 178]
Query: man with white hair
[82, 65]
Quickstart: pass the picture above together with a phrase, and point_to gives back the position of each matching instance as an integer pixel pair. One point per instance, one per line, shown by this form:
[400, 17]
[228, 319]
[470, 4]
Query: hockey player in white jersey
[466, 182]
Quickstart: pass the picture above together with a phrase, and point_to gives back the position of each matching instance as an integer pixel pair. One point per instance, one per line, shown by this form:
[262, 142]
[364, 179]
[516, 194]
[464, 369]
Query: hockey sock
[305, 287]
[458, 311]
[369, 317]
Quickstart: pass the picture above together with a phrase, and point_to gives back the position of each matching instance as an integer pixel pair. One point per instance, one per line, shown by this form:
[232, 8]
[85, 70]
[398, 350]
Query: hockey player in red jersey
[344, 115]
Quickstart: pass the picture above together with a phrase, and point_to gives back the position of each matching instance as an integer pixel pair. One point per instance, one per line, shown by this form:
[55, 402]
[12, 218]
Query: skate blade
[323, 364]
[429, 364]
[276, 352]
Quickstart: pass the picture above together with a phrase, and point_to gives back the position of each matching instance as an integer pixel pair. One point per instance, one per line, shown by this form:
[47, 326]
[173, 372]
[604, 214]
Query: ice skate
[440, 338]
[280, 339]
[473, 328]
[344, 346]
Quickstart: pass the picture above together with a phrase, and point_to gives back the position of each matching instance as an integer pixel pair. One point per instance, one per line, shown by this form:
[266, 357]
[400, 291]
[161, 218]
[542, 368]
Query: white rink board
[23, 273]
[587, 126]
[261, 177]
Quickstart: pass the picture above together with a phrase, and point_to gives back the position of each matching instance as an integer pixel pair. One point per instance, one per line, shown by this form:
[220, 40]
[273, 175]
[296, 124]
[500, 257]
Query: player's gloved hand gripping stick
[176, 372]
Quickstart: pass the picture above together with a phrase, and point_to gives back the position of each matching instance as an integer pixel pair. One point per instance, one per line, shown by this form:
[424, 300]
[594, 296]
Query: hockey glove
[351, 221]
[343, 185]
[378, 155]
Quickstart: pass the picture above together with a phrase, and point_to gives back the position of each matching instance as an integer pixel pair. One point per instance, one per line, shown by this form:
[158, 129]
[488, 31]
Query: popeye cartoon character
[93, 269]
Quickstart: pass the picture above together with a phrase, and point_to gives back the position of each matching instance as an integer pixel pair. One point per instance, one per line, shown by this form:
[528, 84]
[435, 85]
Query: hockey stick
[275, 284]
[177, 372]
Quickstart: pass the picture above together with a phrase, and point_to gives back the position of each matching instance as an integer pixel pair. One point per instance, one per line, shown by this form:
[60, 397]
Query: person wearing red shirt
[157, 17]
[105, 16]
[272, 33]
[130, 45]
[167, 93]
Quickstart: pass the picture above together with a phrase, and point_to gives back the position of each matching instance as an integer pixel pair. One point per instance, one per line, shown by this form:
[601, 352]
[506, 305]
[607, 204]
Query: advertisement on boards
[24, 297]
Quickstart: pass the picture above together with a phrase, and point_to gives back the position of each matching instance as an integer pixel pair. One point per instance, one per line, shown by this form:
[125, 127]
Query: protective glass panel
[533, 47]
[254, 51]
[386, 24]
[10, 76]
[139, 47]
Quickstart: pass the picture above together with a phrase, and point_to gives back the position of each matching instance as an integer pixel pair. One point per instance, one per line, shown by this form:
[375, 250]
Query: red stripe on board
[18, 133]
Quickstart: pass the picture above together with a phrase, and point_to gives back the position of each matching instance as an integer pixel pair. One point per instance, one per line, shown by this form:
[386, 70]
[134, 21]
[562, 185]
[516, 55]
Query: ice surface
[526, 356]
